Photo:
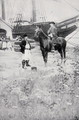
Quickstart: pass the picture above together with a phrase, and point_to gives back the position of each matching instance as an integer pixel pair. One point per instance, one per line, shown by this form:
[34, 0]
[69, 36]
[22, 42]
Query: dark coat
[22, 46]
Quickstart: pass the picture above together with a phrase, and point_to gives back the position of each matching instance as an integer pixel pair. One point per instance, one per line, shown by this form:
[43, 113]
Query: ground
[49, 93]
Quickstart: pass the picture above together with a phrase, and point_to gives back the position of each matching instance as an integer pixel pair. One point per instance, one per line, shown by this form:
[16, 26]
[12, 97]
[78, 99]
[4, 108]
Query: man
[25, 49]
[52, 32]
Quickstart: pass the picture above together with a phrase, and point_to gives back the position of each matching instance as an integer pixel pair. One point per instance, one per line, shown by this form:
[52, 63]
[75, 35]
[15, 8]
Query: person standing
[4, 43]
[9, 45]
[25, 49]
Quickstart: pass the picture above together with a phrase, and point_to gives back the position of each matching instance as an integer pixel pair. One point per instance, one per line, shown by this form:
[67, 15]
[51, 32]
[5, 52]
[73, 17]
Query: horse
[46, 44]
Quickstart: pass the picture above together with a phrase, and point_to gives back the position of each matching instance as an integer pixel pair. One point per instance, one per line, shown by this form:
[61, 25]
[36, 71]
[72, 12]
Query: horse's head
[37, 32]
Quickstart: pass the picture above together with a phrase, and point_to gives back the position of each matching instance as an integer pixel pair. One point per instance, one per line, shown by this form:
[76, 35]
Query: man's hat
[52, 23]
[39, 25]
[25, 35]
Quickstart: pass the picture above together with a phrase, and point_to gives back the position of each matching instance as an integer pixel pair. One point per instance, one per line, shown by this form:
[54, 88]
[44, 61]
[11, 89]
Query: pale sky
[56, 10]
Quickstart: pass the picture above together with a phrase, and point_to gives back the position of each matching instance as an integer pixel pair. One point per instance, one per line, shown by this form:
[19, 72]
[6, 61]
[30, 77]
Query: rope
[72, 6]
[44, 33]
[78, 30]
[72, 35]
[73, 43]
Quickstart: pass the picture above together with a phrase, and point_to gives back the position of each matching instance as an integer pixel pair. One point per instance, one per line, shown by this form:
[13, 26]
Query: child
[25, 49]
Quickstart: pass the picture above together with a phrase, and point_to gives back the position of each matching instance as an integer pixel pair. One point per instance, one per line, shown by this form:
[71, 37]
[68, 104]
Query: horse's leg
[58, 47]
[64, 52]
[64, 49]
[61, 52]
[43, 54]
[46, 56]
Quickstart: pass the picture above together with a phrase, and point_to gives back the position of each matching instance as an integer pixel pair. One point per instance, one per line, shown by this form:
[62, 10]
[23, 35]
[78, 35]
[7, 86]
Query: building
[5, 28]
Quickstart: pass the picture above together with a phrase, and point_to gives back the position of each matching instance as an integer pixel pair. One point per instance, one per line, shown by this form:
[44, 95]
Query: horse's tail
[64, 42]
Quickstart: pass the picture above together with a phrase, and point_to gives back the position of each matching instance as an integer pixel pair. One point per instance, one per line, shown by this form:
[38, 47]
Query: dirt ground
[49, 93]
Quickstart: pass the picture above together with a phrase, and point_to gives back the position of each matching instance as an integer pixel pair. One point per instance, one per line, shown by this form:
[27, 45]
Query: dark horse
[46, 44]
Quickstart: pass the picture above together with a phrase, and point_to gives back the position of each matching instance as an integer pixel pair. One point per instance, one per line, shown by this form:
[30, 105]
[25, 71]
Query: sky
[56, 10]
[59, 10]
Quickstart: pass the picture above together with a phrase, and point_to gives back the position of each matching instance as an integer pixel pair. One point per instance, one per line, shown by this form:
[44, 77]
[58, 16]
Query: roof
[5, 23]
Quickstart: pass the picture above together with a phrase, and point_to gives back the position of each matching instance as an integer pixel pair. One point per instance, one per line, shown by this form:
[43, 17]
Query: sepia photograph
[39, 59]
